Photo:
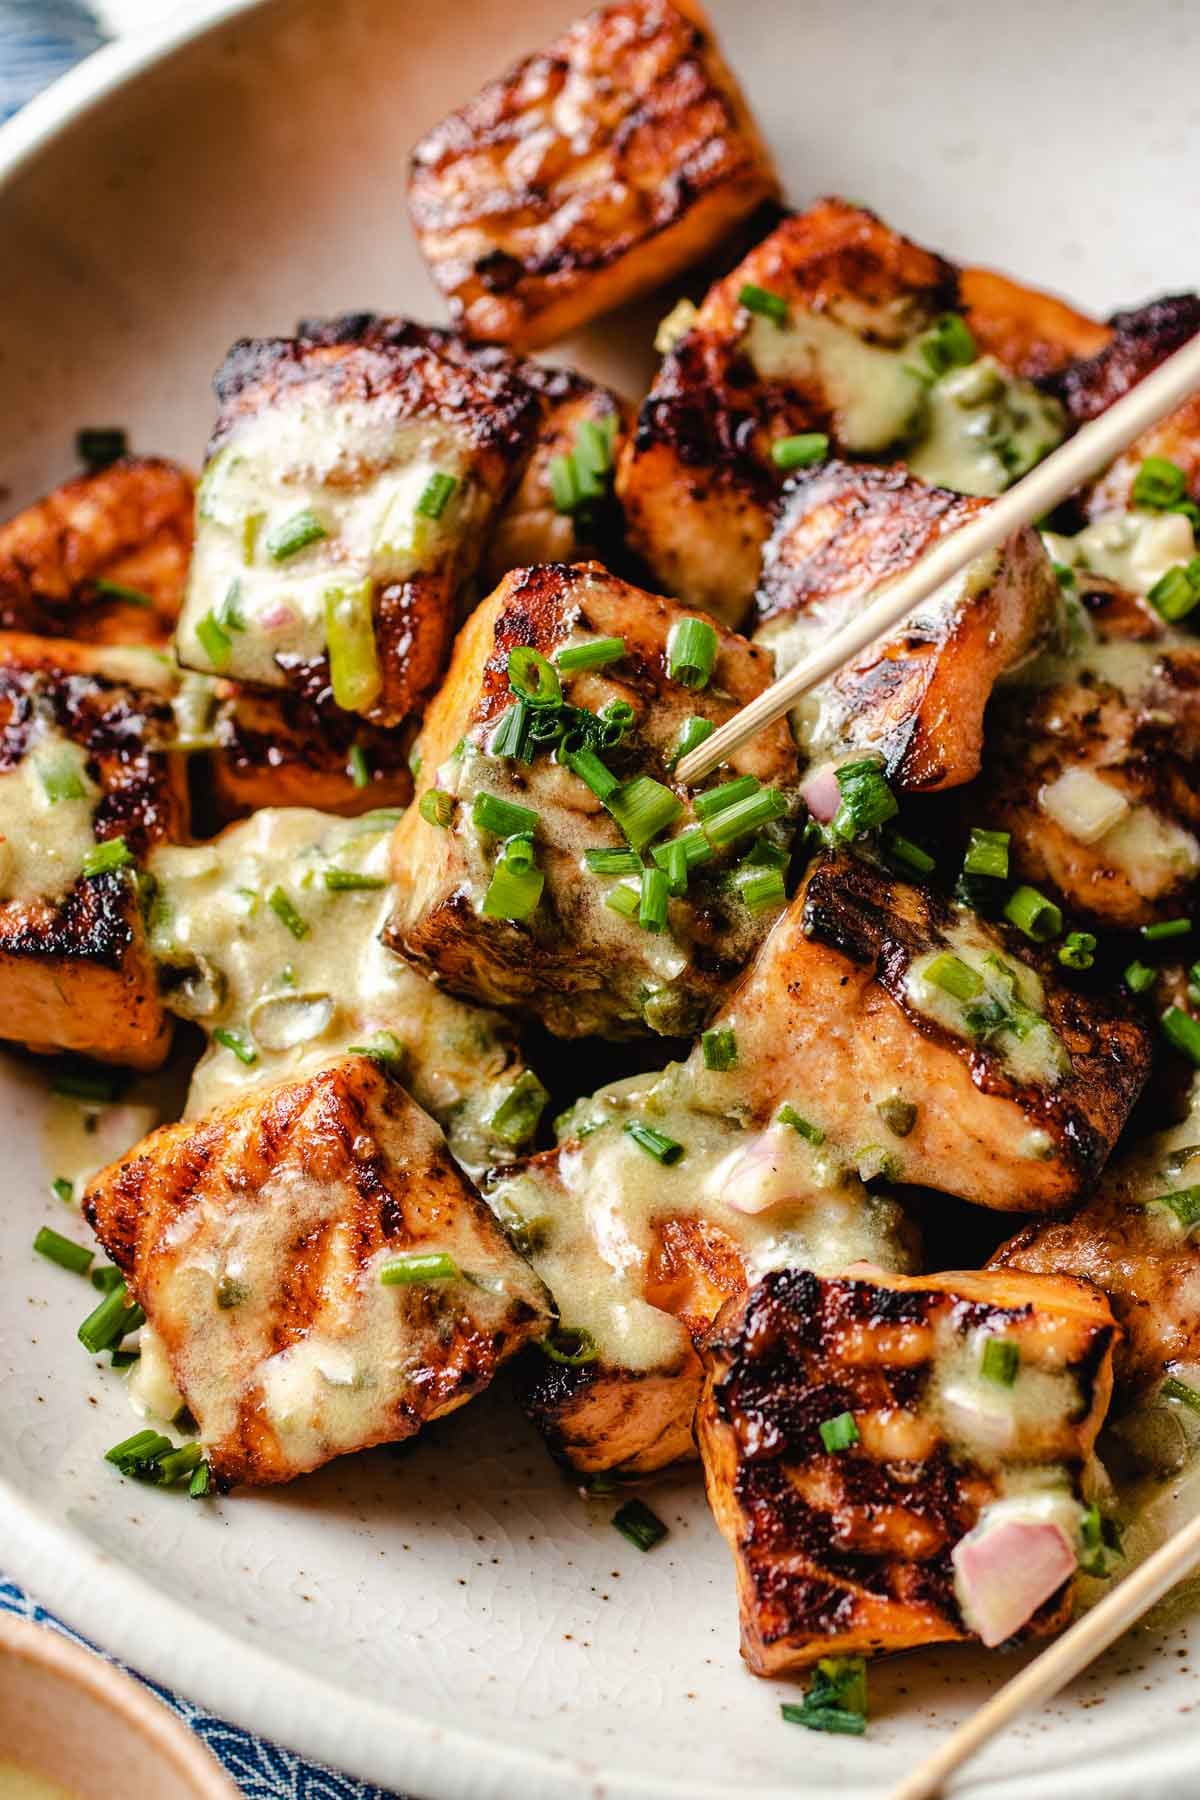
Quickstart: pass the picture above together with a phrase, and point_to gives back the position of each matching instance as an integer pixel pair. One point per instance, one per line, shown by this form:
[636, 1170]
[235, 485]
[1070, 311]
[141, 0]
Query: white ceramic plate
[460, 1623]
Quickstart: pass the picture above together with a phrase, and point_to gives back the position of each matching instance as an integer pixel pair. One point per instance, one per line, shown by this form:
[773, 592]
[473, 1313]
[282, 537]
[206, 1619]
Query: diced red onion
[821, 793]
[1007, 1571]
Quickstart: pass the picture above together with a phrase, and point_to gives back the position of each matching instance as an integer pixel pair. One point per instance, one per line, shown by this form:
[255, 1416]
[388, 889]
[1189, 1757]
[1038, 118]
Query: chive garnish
[696, 849]
[214, 640]
[386, 1050]
[836, 1699]
[106, 1278]
[652, 910]
[503, 818]
[987, 854]
[435, 495]
[947, 344]
[1174, 1389]
[594, 655]
[61, 781]
[691, 652]
[358, 768]
[134, 1446]
[1183, 1202]
[63, 1189]
[692, 734]
[237, 1044]
[295, 534]
[762, 301]
[954, 976]
[436, 807]
[800, 451]
[201, 1482]
[587, 765]
[839, 1433]
[1000, 1361]
[1159, 484]
[517, 882]
[720, 1049]
[866, 799]
[106, 858]
[787, 1115]
[613, 862]
[625, 900]
[418, 1266]
[1183, 1032]
[63, 1251]
[1031, 912]
[511, 736]
[1139, 976]
[286, 913]
[109, 1322]
[100, 445]
[744, 817]
[1177, 593]
[1165, 929]
[351, 881]
[643, 808]
[533, 677]
[1078, 951]
[616, 721]
[516, 1118]
[715, 800]
[910, 856]
[354, 671]
[761, 889]
[564, 484]
[642, 1527]
[657, 1144]
[570, 1345]
[674, 864]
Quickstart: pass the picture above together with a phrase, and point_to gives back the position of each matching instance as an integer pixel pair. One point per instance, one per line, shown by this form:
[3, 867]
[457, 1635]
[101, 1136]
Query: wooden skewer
[1038, 493]
[1052, 1670]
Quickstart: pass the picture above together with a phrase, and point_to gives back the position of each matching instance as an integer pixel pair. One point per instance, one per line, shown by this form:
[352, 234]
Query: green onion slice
[1000, 1361]
[643, 808]
[234, 1042]
[516, 885]
[800, 451]
[511, 737]
[839, 1433]
[1031, 912]
[744, 817]
[436, 807]
[112, 1320]
[286, 913]
[435, 494]
[570, 1345]
[692, 734]
[1183, 1032]
[516, 1118]
[354, 670]
[657, 1144]
[715, 800]
[503, 818]
[1139, 976]
[418, 1266]
[720, 1049]
[613, 862]
[762, 301]
[295, 534]
[1078, 950]
[954, 976]
[534, 678]
[357, 766]
[1165, 929]
[652, 910]
[787, 1115]
[987, 854]
[642, 1527]
[106, 858]
[63, 1251]
[596, 654]
[691, 652]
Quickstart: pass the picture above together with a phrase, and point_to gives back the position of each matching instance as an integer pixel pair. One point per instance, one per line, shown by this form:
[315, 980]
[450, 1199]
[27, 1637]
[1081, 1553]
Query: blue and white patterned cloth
[39, 39]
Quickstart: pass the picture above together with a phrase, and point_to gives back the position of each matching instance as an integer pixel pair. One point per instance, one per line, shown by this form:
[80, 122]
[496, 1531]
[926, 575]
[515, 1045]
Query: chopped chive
[720, 1048]
[417, 1266]
[910, 855]
[652, 910]
[613, 862]
[642, 1527]
[533, 677]
[61, 781]
[1174, 1389]
[436, 807]
[350, 881]
[570, 1345]
[109, 1322]
[1000, 1361]
[1031, 912]
[674, 864]
[692, 734]
[1183, 1202]
[61, 1250]
[760, 888]
[898, 1114]
[1183, 1032]
[134, 1446]
[231, 615]
[616, 721]
[123, 1359]
[1159, 484]
[657, 1144]
[590, 769]
[745, 817]
[696, 849]
[763, 854]
[800, 451]
[516, 1118]
[100, 445]
[564, 483]
[596, 654]
[106, 858]
[235, 1042]
[1177, 593]
[1078, 951]
[357, 766]
[866, 799]
[624, 900]
[435, 494]
[214, 640]
[787, 1115]
[1064, 576]
[177, 1463]
[947, 344]
[1166, 928]
[517, 882]
[99, 1085]
[1139, 976]
[762, 301]
[643, 808]
[836, 1699]
[286, 913]
[387, 1050]
[354, 671]
[201, 1482]
[502, 818]
[715, 800]
[63, 1190]
[691, 652]
[106, 1278]
[295, 534]
[987, 854]
[954, 976]
[511, 737]
[839, 1433]
[823, 1718]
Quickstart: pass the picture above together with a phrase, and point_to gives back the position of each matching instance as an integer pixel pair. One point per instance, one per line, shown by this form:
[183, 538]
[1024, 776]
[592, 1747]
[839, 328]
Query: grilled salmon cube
[590, 173]
[821, 332]
[103, 558]
[1029, 332]
[347, 495]
[260, 1242]
[1134, 1239]
[86, 761]
[267, 937]
[864, 1456]
[576, 957]
[1012, 1096]
[1092, 762]
[918, 696]
[666, 1198]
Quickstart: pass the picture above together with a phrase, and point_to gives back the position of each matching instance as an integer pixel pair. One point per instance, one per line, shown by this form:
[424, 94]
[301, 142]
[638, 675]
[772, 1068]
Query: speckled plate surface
[459, 1622]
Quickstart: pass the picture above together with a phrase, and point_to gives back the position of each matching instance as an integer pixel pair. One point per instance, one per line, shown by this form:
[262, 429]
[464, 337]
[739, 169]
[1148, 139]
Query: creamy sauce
[150, 1383]
[983, 430]
[877, 398]
[1135, 549]
[299, 1003]
[995, 1426]
[44, 838]
[1029, 1047]
[20, 1783]
[361, 474]
[589, 1218]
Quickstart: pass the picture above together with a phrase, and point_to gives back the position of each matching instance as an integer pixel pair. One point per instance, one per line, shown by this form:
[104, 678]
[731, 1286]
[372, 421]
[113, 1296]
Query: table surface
[40, 39]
